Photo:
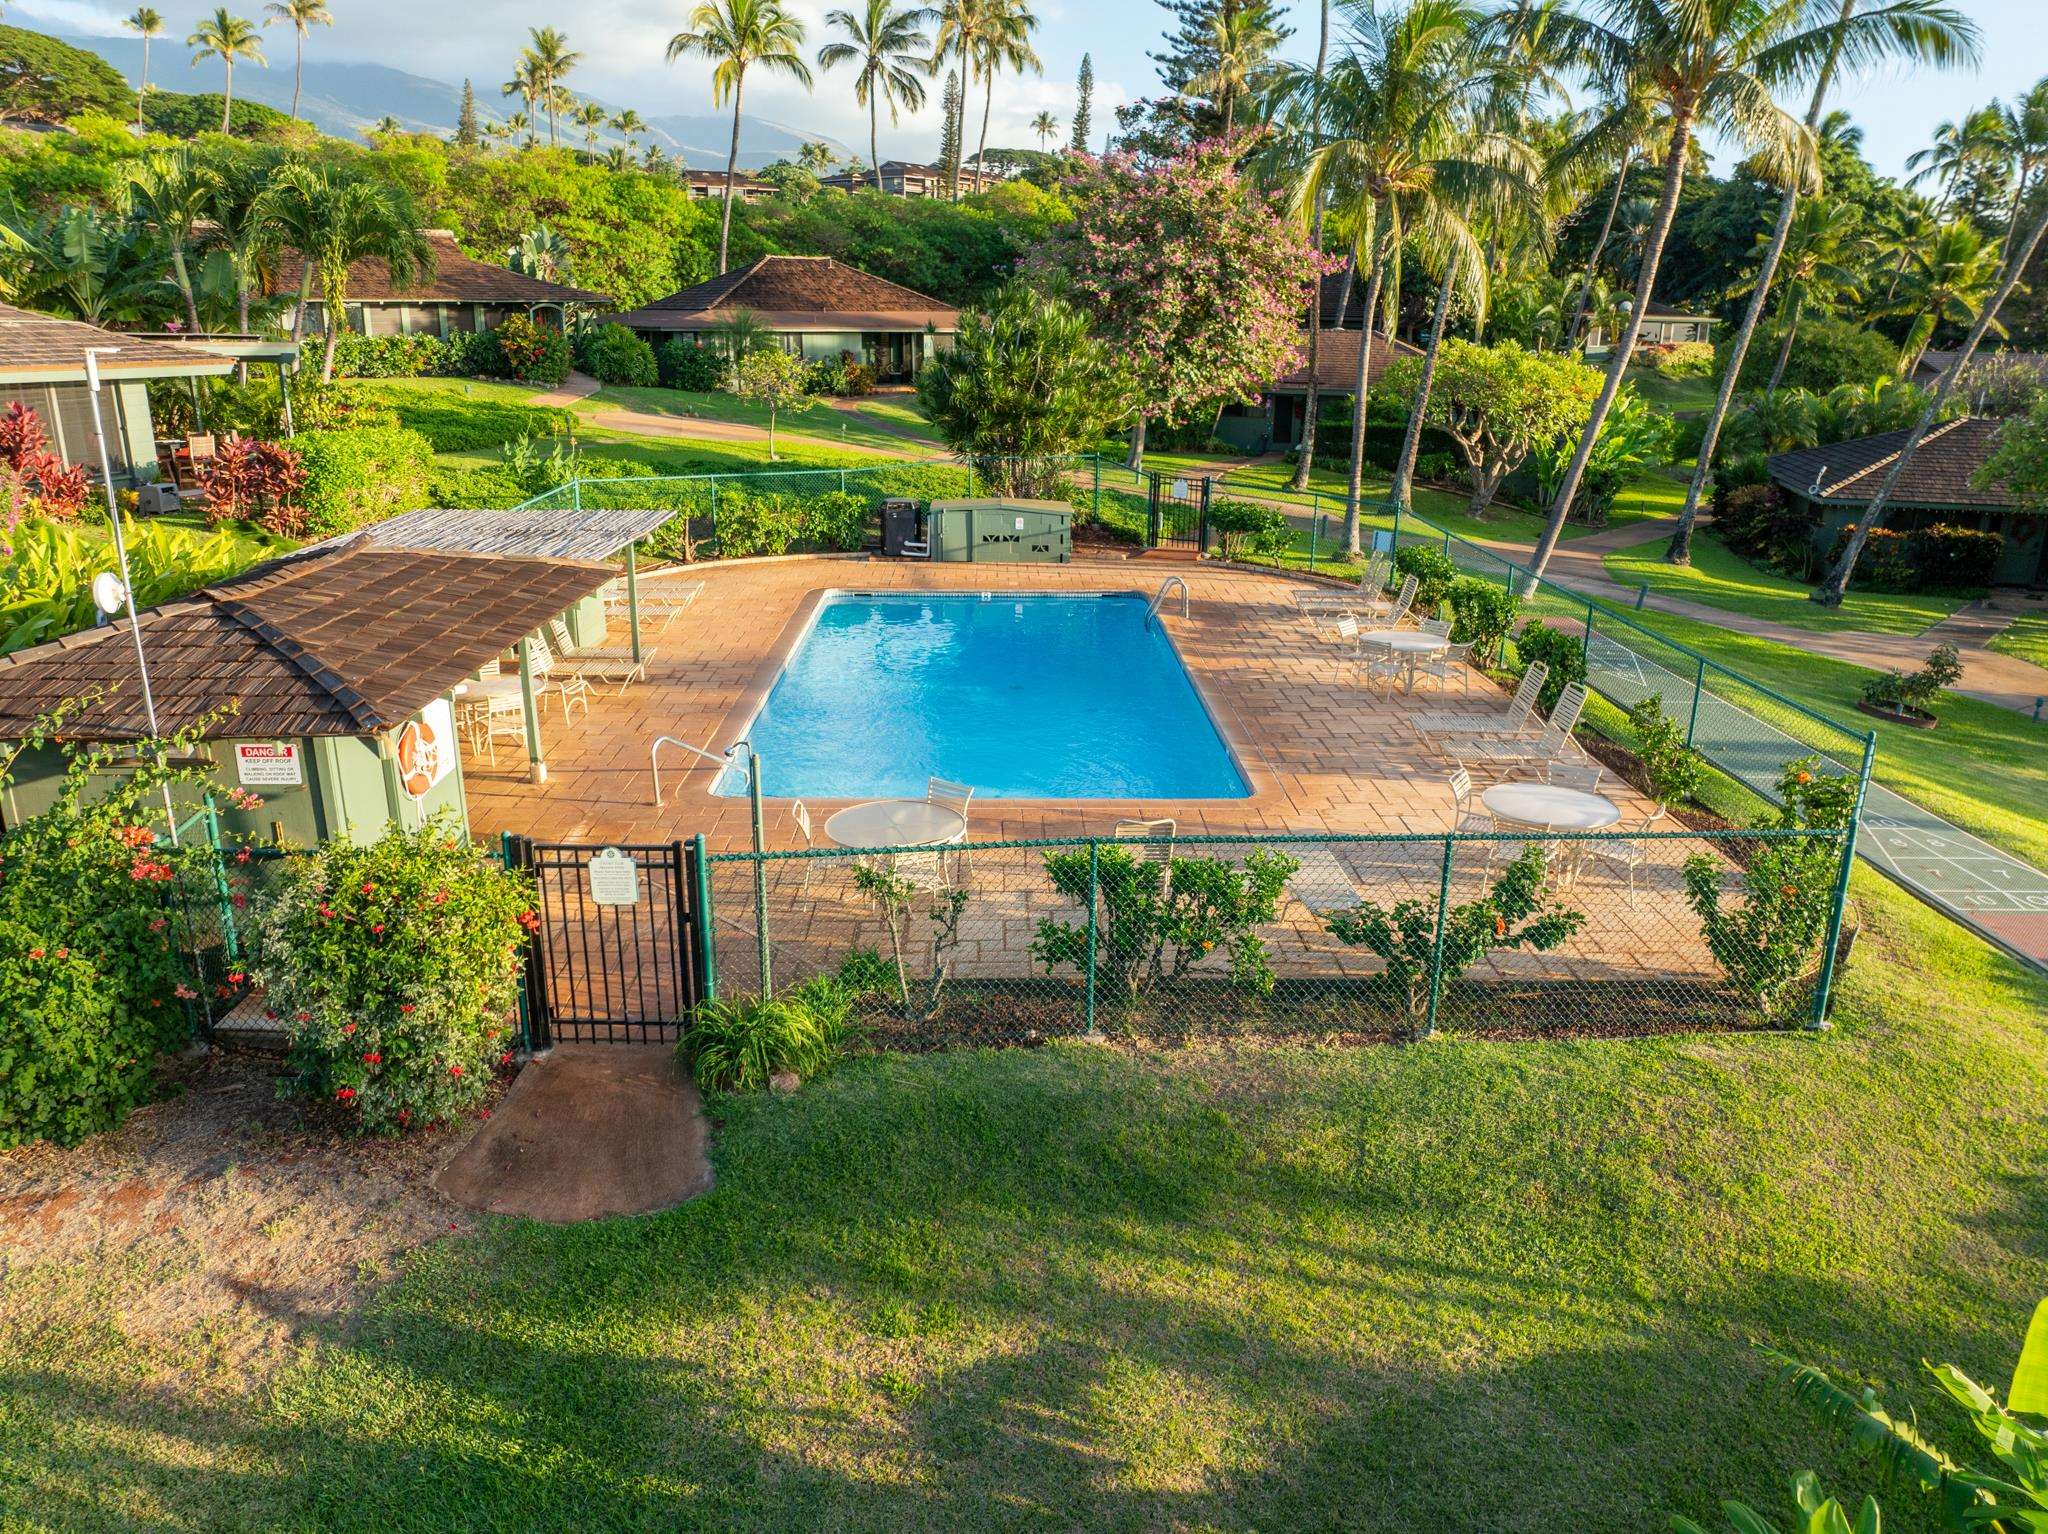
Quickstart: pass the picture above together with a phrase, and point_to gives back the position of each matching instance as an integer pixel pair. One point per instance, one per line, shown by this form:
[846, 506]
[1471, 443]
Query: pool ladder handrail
[654, 758]
[1159, 597]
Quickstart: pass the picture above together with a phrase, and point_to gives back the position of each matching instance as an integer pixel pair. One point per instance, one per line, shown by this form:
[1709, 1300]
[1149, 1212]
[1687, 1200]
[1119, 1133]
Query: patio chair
[660, 599]
[1473, 817]
[950, 796]
[1516, 721]
[1552, 746]
[1448, 665]
[1371, 585]
[1382, 666]
[1343, 632]
[550, 672]
[1623, 853]
[492, 717]
[1154, 839]
[1585, 779]
[1438, 627]
[1390, 614]
[602, 664]
[800, 817]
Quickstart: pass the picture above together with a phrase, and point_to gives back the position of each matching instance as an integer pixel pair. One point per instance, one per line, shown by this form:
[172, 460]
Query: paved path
[577, 386]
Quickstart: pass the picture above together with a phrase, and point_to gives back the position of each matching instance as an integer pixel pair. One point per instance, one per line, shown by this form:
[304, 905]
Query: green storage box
[1002, 532]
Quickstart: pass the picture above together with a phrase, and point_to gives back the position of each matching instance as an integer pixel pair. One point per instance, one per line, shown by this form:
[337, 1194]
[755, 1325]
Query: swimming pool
[1021, 695]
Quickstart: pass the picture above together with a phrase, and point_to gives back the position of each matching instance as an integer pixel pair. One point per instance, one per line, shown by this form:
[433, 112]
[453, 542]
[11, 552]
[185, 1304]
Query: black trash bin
[902, 530]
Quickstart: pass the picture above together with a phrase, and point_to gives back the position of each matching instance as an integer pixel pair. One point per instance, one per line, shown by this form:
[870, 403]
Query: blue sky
[624, 40]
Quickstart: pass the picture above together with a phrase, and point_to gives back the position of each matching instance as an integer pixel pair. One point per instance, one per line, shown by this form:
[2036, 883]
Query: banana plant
[1818, 1514]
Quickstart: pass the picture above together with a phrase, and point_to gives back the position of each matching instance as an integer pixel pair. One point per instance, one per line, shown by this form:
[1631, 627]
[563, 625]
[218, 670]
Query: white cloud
[74, 16]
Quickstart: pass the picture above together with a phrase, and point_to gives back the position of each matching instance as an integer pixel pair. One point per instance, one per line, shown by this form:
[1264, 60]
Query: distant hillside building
[817, 308]
[452, 292]
[900, 178]
[1837, 483]
[1663, 325]
[705, 185]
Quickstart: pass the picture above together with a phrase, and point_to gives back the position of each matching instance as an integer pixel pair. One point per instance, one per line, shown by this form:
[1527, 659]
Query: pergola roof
[42, 348]
[587, 535]
[346, 640]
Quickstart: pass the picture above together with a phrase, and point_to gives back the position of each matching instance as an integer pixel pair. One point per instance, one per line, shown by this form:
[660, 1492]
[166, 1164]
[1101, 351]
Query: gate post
[700, 918]
[539, 1035]
[1202, 528]
[1152, 520]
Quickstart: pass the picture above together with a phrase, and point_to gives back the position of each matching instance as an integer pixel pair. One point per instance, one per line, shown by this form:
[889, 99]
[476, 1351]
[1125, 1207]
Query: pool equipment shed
[323, 681]
[1001, 531]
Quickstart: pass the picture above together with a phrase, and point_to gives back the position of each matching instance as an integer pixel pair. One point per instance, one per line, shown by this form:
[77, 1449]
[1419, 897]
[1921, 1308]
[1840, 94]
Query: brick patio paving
[1323, 755]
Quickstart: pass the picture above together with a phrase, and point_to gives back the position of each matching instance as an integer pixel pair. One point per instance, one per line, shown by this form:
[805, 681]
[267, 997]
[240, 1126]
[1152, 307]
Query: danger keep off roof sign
[274, 764]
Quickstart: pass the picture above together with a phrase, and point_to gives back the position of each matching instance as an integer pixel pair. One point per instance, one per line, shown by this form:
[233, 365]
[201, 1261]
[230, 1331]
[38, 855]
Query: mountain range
[345, 99]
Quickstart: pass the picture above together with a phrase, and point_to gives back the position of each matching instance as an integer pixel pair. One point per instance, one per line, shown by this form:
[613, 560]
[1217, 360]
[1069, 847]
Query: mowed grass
[1679, 396]
[1458, 1285]
[818, 421]
[1718, 578]
[2027, 638]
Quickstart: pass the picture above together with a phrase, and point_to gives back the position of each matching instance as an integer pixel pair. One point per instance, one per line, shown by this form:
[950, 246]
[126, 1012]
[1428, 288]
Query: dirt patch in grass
[215, 1227]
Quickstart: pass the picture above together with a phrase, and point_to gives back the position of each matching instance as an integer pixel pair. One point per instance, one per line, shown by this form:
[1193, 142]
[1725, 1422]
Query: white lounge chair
[1390, 614]
[1155, 845]
[661, 598]
[603, 664]
[1554, 745]
[1518, 720]
[1360, 598]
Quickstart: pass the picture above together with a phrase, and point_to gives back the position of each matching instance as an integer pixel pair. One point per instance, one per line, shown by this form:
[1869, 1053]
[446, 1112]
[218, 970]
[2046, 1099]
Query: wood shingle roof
[796, 292]
[1942, 474]
[351, 640]
[450, 277]
[45, 348]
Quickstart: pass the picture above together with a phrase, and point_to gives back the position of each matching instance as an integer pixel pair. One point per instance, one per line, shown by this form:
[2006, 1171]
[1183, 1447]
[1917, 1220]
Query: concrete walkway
[577, 386]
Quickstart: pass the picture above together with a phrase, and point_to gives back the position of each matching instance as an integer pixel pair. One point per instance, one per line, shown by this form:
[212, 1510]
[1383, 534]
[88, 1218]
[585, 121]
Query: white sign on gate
[614, 878]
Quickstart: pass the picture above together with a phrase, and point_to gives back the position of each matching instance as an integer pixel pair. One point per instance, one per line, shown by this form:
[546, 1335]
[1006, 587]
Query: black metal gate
[618, 956]
[1179, 511]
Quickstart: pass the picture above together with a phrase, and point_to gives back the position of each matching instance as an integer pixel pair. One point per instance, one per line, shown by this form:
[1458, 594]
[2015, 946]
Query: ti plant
[1818, 1514]
[1517, 912]
[1152, 926]
[895, 897]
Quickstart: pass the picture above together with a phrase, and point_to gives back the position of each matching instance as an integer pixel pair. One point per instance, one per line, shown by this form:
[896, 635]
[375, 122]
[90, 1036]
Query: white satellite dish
[108, 594]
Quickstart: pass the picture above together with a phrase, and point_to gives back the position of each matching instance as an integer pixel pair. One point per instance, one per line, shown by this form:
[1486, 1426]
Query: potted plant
[1908, 699]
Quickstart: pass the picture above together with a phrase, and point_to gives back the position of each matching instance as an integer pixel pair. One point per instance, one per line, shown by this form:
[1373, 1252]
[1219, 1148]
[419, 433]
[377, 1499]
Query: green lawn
[1677, 395]
[1718, 578]
[2027, 638]
[818, 422]
[1462, 1285]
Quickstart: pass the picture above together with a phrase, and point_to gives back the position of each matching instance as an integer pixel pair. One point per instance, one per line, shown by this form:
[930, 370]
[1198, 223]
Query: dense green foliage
[1483, 612]
[395, 968]
[1249, 529]
[742, 1044]
[188, 117]
[1434, 572]
[612, 354]
[1564, 653]
[1828, 353]
[359, 475]
[750, 523]
[50, 81]
[533, 351]
[684, 364]
[90, 977]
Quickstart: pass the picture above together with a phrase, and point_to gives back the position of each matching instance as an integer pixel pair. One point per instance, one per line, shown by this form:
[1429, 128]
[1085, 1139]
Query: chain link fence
[1294, 937]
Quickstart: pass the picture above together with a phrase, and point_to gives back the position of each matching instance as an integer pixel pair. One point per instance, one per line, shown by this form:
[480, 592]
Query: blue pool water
[1023, 697]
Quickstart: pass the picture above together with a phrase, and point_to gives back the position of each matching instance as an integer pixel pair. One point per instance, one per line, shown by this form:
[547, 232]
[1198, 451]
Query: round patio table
[896, 823]
[1550, 806]
[1412, 644]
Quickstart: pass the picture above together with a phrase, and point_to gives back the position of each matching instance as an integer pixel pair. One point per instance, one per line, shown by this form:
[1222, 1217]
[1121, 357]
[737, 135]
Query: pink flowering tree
[1202, 283]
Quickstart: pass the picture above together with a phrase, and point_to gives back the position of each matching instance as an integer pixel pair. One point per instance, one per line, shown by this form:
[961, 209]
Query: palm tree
[334, 220]
[388, 124]
[239, 233]
[1241, 44]
[227, 38]
[739, 34]
[1711, 65]
[1392, 161]
[628, 123]
[1948, 280]
[1938, 43]
[149, 24]
[303, 15]
[591, 118]
[1831, 591]
[888, 42]
[1634, 130]
[2026, 134]
[1005, 44]
[526, 85]
[1045, 128]
[1310, 132]
[549, 60]
[1819, 258]
[962, 25]
[172, 190]
[618, 157]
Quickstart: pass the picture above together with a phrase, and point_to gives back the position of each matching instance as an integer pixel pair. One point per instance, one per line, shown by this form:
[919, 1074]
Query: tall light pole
[99, 427]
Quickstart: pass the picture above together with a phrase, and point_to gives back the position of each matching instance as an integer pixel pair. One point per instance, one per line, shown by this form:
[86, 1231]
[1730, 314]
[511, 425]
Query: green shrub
[1433, 570]
[1247, 529]
[421, 356]
[1758, 523]
[534, 352]
[1916, 692]
[1517, 912]
[756, 524]
[1825, 354]
[742, 1044]
[361, 475]
[1675, 771]
[474, 489]
[612, 354]
[1482, 613]
[837, 520]
[684, 364]
[1564, 654]
[1677, 359]
[1947, 558]
[90, 979]
[1775, 935]
[1150, 930]
[395, 968]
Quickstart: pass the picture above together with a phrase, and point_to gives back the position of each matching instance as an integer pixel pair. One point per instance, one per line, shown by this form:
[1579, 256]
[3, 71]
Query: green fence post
[1315, 527]
[714, 511]
[525, 1026]
[760, 873]
[1699, 686]
[1589, 636]
[707, 949]
[1094, 889]
[1436, 947]
[842, 481]
[230, 939]
[1097, 456]
[576, 494]
[1824, 986]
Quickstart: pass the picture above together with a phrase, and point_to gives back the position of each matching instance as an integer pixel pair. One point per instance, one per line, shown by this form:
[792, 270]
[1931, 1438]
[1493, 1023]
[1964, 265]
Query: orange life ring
[419, 758]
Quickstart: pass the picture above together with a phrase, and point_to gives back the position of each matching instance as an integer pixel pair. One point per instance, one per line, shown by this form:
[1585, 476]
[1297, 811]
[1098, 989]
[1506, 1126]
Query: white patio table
[1554, 808]
[1411, 644]
[896, 823]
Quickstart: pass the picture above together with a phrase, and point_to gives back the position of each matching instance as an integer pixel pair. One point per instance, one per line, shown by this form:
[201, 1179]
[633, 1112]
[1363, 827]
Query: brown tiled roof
[347, 641]
[1657, 310]
[450, 277]
[1337, 360]
[41, 346]
[795, 292]
[716, 178]
[1941, 475]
